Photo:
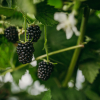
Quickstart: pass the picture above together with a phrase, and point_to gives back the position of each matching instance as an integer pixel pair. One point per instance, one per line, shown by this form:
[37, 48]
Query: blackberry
[44, 70]
[25, 52]
[11, 34]
[33, 33]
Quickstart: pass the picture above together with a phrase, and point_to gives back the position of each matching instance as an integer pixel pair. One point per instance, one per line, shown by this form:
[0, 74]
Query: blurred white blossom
[67, 23]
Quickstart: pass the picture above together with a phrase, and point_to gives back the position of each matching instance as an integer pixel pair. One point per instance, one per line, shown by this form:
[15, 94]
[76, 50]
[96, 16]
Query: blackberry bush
[25, 52]
[11, 34]
[33, 33]
[45, 70]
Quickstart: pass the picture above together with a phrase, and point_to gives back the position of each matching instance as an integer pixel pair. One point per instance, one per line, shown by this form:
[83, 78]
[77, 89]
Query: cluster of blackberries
[25, 52]
[33, 33]
[44, 70]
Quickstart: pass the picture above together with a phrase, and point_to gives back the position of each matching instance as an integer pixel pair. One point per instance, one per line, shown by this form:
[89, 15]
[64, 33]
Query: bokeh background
[20, 82]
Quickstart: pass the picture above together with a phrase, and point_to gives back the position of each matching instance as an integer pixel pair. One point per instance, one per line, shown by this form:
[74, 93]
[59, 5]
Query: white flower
[67, 23]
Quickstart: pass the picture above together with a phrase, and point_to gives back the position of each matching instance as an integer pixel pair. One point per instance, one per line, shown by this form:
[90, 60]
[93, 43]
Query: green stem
[59, 51]
[40, 57]
[11, 70]
[45, 44]
[76, 5]
[77, 50]
[25, 26]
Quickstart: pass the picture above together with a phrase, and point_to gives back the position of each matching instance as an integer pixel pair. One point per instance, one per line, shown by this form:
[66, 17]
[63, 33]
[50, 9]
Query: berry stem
[45, 44]
[25, 26]
[77, 50]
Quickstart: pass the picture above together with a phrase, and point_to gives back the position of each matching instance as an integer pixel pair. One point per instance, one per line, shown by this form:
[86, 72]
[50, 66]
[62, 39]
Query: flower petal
[60, 17]
[69, 32]
[72, 19]
[60, 26]
[77, 33]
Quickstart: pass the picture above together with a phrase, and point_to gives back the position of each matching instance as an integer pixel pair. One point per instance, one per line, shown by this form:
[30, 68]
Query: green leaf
[67, 94]
[91, 94]
[87, 53]
[90, 70]
[26, 6]
[55, 3]
[73, 94]
[6, 11]
[94, 34]
[47, 95]
[6, 54]
[46, 14]
[15, 21]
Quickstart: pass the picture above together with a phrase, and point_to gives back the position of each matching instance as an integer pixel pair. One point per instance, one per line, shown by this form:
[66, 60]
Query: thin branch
[59, 51]
[45, 44]
[43, 56]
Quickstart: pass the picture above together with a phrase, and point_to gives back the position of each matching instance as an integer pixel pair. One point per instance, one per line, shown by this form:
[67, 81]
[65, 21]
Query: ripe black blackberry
[25, 52]
[45, 70]
[11, 34]
[33, 33]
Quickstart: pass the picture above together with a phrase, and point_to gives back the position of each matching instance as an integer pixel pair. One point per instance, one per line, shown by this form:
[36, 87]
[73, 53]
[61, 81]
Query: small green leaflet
[26, 6]
[6, 54]
[90, 70]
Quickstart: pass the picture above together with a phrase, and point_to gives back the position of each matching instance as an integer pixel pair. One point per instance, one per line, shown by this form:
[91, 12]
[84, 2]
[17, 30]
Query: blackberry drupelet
[33, 33]
[25, 52]
[45, 70]
[11, 34]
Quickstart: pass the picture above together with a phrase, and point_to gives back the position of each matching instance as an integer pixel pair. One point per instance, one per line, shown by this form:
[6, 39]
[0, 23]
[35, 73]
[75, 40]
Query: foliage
[13, 12]
[46, 14]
